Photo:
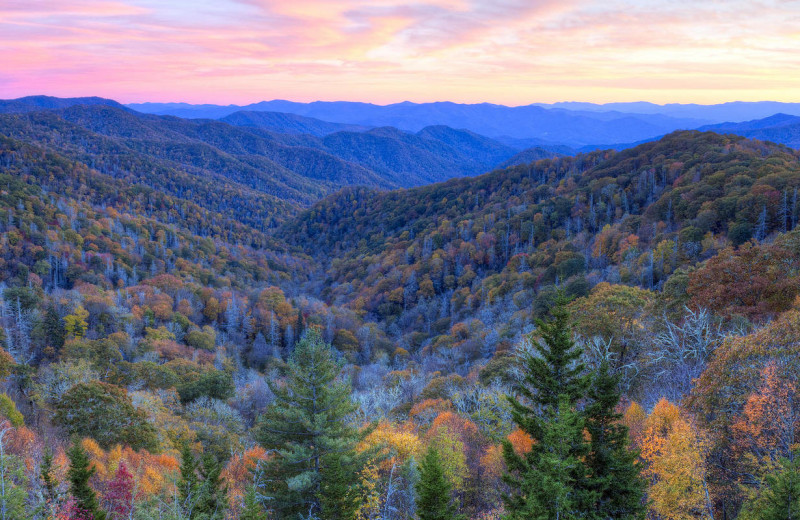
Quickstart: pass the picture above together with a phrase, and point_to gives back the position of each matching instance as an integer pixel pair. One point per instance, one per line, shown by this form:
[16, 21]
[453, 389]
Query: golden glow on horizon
[508, 51]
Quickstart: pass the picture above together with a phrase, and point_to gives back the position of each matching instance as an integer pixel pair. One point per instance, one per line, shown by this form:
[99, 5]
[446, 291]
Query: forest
[613, 335]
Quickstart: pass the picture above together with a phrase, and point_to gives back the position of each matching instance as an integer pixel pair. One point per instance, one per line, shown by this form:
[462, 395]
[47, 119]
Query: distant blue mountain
[736, 111]
[285, 123]
[552, 125]
[778, 128]
[34, 103]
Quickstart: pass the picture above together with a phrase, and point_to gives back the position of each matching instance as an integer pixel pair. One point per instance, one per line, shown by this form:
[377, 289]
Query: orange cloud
[504, 51]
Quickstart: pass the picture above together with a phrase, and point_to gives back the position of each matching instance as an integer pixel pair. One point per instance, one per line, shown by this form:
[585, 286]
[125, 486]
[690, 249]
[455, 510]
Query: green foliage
[8, 409]
[339, 490]
[252, 510]
[79, 472]
[105, 413]
[204, 339]
[212, 499]
[780, 498]
[48, 480]
[614, 473]
[216, 384]
[551, 479]
[307, 426]
[189, 484]
[434, 501]
[13, 493]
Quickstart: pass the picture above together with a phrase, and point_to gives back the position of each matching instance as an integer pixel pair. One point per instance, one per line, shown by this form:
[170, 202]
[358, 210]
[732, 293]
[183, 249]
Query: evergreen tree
[306, 426]
[49, 483]
[339, 490]
[781, 498]
[53, 329]
[613, 472]
[552, 473]
[188, 484]
[433, 490]
[13, 494]
[553, 486]
[212, 497]
[300, 323]
[79, 473]
[252, 509]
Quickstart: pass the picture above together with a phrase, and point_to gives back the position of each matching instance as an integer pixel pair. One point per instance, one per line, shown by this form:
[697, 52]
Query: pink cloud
[509, 51]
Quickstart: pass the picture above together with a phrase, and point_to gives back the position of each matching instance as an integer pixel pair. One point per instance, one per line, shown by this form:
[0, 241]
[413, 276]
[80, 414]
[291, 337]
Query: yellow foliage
[674, 452]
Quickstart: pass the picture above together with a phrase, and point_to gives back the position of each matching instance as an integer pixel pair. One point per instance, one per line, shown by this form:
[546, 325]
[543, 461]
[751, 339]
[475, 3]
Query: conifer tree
[188, 484]
[613, 472]
[306, 425]
[781, 498]
[252, 509]
[212, 497]
[552, 473]
[53, 329]
[339, 491]
[12, 482]
[79, 473]
[49, 483]
[433, 490]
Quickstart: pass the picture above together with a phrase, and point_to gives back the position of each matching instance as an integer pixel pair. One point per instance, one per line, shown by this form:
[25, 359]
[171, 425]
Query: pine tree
[781, 498]
[613, 472]
[12, 482]
[54, 331]
[553, 486]
[49, 483]
[339, 491]
[551, 474]
[79, 473]
[433, 490]
[305, 425]
[252, 509]
[188, 484]
[212, 497]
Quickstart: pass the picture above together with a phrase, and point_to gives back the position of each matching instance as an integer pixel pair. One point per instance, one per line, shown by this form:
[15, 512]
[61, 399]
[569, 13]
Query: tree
[260, 351]
[550, 480]
[79, 472]
[212, 497]
[338, 491]
[306, 425]
[613, 471]
[781, 498]
[433, 490]
[106, 413]
[188, 483]
[252, 509]
[12, 480]
[53, 329]
[75, 325]
[120, 494]
[675, 454]
[49, 483]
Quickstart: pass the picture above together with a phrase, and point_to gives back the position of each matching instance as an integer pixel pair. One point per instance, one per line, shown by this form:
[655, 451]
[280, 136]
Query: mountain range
[156, 274]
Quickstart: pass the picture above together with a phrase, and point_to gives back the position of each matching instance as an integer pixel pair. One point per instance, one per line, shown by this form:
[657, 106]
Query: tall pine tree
[433, 490]
[188, 485]
[552, 473]
[306, 426]
[780, 498]
[79, 473]
[212, 496]
[613, 471]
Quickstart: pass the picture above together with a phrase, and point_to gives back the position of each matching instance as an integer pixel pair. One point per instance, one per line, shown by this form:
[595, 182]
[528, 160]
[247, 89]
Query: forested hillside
[283, 166]
[188, 332]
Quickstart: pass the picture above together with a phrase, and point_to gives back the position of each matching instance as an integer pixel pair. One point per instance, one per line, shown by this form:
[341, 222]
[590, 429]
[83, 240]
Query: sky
[511, 52]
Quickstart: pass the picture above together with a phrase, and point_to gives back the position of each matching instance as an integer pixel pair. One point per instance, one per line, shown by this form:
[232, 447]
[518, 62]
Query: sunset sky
[507, 51]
